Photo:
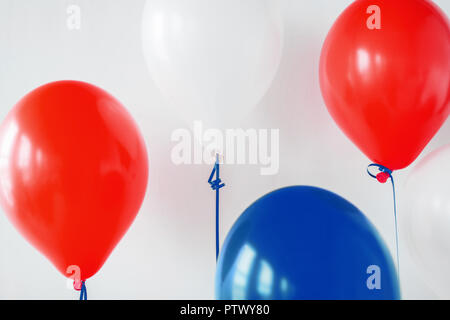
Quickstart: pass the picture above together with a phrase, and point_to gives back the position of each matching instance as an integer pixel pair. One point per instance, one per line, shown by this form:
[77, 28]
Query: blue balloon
[304, 242]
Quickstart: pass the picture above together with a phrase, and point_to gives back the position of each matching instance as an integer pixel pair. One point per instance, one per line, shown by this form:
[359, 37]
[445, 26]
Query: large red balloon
[385, 76]
[73, 172]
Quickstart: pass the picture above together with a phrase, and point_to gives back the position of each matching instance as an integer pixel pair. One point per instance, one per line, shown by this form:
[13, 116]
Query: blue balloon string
[389, 172]
[83, 291]
[216, 185]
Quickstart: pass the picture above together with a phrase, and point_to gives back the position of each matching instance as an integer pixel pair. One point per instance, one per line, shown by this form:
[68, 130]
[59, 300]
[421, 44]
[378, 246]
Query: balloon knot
[382, 177]
[217, 183]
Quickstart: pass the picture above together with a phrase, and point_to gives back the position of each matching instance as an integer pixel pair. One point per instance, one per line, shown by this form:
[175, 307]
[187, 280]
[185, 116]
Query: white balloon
[426, 218]
[212, 59]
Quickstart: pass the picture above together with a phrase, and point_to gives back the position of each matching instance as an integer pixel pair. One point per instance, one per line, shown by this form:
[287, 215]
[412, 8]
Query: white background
[169, 251]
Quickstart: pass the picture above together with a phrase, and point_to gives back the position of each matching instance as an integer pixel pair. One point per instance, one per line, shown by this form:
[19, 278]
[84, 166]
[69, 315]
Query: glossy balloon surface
[388, 88]
[213, 60]
[73, 172]
[303, 243]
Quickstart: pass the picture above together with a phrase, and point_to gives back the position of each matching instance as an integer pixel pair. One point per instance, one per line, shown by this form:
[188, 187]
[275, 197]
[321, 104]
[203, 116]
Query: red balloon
[385, 76]
[73, 173]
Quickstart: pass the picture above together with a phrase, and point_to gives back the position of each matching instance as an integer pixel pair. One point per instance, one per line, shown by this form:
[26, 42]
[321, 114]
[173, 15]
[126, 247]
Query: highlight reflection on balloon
[304, 243]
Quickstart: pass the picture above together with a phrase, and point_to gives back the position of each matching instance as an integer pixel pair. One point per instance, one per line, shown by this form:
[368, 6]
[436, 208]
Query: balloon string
[216, 185]
[382, 176]
[83, 291]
